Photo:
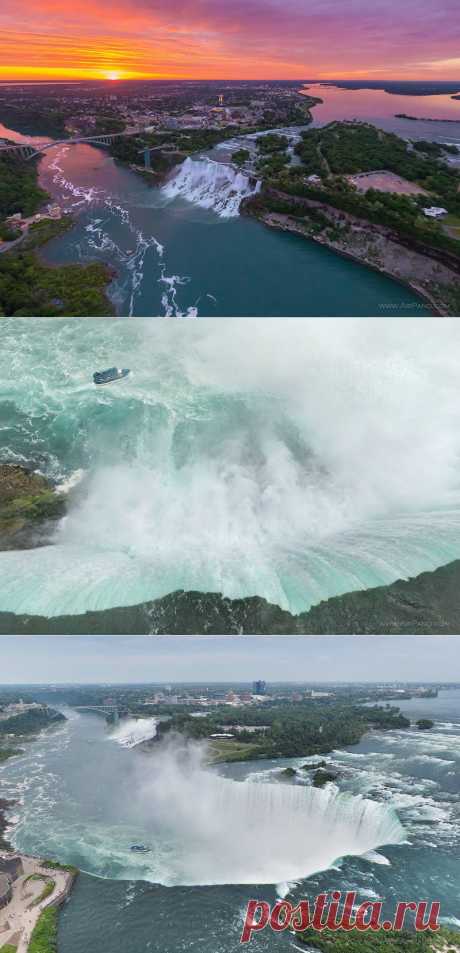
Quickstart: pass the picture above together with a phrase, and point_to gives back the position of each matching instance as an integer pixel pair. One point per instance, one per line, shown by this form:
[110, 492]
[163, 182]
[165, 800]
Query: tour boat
[111, 375]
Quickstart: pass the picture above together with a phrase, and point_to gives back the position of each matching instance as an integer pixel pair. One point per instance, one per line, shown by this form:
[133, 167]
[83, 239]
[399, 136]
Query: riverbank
[312, 727]
[170, 261]
[5, 807]
[114, 899]
[375, 246]
[30, 286]
[427, 604]
[405, 941]
[28, 922]
[29, 508]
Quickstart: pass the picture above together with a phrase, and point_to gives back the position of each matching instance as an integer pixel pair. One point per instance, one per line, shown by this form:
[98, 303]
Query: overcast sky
[37, 659]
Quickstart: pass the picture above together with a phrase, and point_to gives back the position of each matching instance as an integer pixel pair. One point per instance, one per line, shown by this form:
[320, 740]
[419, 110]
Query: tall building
[258, 687]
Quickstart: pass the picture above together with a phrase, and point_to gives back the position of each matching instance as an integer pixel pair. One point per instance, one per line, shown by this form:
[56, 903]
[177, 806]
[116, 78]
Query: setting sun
[112, 75]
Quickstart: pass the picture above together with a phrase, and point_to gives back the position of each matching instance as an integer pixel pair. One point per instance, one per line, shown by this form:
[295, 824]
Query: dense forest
[39, 118]
[292, 730]
[31, 721]
[28, 287]
[19, 191]
[350, 148]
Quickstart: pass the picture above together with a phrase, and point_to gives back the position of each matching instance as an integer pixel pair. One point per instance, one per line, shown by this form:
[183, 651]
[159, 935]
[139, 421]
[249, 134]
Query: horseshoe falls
[169, 801]
[293, 460]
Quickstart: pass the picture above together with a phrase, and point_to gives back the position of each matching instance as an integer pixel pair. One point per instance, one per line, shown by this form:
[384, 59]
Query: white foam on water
[235, 461]
[99, 241]
[374, 857]
[211, 185]
[278, 834]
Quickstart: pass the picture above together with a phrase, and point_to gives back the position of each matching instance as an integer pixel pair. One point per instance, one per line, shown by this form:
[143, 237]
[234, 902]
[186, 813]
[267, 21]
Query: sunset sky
[252, 39]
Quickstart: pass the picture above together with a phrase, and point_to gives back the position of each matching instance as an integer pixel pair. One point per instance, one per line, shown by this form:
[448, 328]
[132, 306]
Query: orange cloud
[229, 39]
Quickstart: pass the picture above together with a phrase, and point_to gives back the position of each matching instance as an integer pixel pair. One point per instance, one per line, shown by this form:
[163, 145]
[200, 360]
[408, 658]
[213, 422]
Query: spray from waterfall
[275, 460]
[212, 185]
[133, 731]
[207, 829]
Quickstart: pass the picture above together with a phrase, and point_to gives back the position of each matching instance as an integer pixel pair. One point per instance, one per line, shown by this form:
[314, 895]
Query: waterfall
[132, 731]
[277, 462]
[211, 185]
[208, 829]
[199, 827]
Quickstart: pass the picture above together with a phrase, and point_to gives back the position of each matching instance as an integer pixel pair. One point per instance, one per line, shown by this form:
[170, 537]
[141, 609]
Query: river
[84, 798]
[183, 250]
[380, 108]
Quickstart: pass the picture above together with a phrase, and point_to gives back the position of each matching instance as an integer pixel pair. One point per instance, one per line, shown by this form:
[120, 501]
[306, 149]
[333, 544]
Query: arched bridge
[30, 151]
[104, 709]
[95, 707]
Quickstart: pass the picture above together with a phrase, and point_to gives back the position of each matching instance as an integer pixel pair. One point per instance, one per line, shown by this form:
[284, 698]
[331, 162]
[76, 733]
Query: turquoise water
[174, 257]
[185, 251]
[293, 460]
[73, 789]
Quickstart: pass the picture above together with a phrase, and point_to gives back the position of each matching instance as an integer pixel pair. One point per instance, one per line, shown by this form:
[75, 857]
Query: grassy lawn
[232, 750]
[44, 934]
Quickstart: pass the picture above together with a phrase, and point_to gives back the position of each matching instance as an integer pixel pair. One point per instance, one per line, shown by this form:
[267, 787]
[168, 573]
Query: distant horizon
[69, 81]
[235, 38]
[207, 682]
[111, 660]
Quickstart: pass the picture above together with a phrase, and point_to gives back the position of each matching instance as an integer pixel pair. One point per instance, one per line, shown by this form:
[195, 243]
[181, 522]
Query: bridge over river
[32, 150]
[101, 709]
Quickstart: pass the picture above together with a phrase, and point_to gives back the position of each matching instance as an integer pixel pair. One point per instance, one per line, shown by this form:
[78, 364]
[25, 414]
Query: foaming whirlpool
[288, 460]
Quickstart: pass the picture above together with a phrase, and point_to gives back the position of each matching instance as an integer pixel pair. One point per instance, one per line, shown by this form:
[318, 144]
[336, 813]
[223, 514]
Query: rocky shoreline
[427, 604]
[29, 508]
[432, 279]
[5, 806]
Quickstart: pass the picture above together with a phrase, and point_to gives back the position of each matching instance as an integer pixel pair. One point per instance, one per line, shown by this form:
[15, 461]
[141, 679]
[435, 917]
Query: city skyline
[282, 39]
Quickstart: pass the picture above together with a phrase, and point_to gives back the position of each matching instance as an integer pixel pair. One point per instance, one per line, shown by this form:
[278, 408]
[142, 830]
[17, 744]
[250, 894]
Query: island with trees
[279, 728]
[370, 195]
[443, 940]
